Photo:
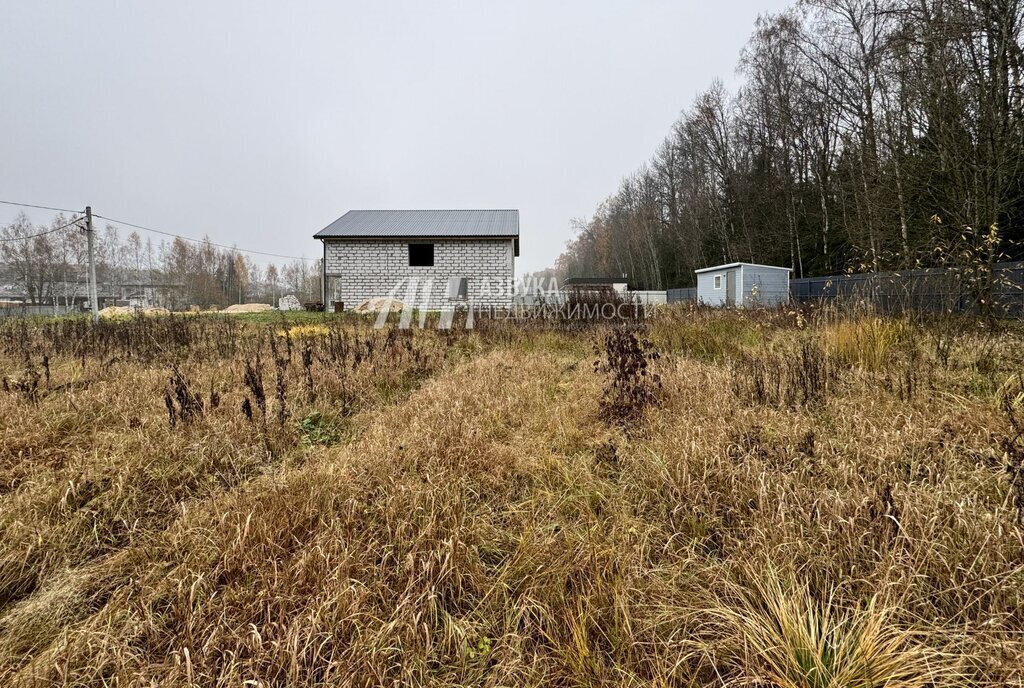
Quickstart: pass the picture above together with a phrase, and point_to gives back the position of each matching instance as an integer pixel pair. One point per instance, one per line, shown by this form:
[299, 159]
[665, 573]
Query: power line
[49, 231]
[145, 229]
[200, 241]
[41, 207]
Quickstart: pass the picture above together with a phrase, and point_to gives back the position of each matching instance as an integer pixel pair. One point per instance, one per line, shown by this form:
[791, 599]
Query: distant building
[596, 284]
[743, 284]
[73, 296]
[435, 258]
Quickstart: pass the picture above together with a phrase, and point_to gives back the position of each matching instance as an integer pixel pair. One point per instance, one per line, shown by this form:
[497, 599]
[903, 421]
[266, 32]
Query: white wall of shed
[772, 286]
[706, 292]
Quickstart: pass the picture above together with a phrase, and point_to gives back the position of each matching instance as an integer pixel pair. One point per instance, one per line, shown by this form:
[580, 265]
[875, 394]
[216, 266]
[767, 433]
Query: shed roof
[423, 223]
[736, 265]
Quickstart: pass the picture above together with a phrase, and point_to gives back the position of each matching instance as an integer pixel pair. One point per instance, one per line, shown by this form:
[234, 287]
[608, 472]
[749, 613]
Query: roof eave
[419, 237]
[729, 266]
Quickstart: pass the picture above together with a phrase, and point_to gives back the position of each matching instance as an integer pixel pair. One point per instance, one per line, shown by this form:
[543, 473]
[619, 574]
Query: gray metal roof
[727, 266]
[423, 223]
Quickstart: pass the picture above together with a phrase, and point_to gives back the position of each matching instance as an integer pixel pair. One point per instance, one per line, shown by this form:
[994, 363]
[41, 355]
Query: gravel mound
[248, 308]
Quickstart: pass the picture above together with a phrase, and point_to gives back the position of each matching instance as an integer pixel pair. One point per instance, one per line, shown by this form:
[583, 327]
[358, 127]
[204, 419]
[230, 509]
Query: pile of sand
[117, 312]
[248, 308]
[131, 311]
[378, 304]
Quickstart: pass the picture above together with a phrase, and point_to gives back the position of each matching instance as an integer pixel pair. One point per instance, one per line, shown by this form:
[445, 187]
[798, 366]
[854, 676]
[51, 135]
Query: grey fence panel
[681, 295]
[933, 289]
[1008, 290]
[22, 310]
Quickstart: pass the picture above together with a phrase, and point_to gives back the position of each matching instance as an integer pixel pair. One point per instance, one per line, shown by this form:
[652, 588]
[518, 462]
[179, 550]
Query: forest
[51, 268]
[865, 135]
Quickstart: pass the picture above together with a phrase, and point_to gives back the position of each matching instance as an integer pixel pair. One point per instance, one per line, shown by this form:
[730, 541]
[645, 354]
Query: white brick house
[435, 259]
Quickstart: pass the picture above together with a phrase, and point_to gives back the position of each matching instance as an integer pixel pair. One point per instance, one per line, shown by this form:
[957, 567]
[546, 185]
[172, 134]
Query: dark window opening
[421, 255]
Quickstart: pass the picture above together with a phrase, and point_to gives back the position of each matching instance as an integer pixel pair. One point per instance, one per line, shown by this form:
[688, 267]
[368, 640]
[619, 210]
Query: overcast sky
[260, 123]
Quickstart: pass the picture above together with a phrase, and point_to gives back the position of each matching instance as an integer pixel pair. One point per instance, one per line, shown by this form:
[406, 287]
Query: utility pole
[323, 280]
[93, 300]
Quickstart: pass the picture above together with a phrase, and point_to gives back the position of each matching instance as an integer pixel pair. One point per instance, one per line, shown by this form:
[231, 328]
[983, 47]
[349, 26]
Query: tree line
[52, 269]
[865, 135]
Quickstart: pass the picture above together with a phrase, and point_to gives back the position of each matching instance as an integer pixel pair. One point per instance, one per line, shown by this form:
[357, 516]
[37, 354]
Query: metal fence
[648, 298]
[681, 295]
[933, 289]
[24, 309]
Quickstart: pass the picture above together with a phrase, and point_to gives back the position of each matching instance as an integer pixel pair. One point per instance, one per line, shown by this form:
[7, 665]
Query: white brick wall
[359, 269]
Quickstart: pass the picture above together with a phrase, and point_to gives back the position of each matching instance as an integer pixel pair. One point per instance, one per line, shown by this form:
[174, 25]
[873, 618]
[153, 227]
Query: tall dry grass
[869, 342]
[793, 637]
[459, 509]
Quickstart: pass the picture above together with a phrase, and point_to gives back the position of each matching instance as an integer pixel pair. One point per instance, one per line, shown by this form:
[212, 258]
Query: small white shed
[743, 284]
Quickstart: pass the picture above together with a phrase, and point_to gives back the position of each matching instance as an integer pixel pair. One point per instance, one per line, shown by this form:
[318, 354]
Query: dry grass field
[781, 498]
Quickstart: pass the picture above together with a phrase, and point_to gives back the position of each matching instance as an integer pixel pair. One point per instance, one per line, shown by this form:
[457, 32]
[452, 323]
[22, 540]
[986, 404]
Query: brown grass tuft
[790, 637]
